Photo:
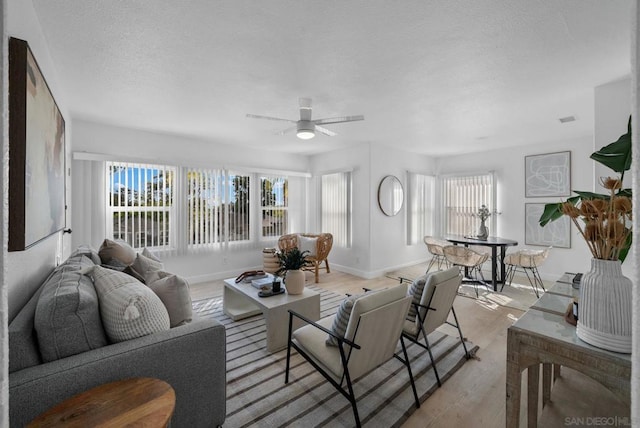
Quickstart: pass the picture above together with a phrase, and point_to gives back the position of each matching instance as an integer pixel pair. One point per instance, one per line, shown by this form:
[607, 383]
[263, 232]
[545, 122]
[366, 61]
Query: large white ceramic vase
[604, 317]
[294, 281]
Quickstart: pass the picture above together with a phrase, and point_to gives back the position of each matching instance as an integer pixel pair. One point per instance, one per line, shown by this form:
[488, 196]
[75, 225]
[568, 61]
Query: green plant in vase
[292, 262]
[604, 221]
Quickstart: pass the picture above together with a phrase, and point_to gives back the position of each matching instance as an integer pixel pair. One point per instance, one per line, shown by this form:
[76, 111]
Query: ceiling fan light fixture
[305, 130]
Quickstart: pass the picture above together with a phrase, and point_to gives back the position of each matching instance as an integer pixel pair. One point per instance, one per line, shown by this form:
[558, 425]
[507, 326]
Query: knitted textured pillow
[416, 290]
[341, 321]
[128, 308]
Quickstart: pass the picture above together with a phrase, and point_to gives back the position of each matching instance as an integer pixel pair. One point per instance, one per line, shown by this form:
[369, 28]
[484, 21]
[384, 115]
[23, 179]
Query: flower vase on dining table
[483, 232]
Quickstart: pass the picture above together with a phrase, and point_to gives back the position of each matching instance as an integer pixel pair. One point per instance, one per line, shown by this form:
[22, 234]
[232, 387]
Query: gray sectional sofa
[73, 354]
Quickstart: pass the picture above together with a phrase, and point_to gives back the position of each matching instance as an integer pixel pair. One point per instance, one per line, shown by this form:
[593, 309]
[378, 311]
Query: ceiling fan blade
[305, 108]
[257, 116]
[284, 131]
[338, 119]
[325, 131]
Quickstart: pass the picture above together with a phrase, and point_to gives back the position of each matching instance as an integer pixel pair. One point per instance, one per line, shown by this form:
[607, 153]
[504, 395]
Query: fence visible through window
[140, 203]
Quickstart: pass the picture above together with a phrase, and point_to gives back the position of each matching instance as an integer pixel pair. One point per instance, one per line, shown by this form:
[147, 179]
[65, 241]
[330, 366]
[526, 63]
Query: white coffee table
[242, 301]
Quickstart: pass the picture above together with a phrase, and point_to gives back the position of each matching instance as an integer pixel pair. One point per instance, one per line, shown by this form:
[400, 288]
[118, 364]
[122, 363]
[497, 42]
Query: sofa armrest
[191, 358]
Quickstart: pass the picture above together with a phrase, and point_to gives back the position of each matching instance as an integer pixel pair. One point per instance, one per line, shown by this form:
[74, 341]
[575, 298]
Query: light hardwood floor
[475, 395]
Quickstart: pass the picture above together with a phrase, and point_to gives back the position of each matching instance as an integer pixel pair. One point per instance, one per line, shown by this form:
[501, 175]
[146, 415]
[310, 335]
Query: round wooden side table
[137, 401]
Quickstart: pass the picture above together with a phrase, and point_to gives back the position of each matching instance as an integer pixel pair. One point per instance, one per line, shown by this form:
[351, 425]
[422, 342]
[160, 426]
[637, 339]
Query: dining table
[495, 243]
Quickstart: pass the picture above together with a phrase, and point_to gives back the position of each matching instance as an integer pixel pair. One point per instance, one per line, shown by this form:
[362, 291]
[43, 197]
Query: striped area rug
[258, 396]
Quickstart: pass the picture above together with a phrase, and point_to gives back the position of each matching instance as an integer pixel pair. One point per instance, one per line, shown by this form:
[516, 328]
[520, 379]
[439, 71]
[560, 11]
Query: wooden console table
[542, 336]
[131, 402]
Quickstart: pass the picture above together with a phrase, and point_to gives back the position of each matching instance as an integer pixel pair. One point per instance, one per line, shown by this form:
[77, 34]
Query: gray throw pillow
[416, 290]
[174, 293]
[118, 250]
[129, 308]
[147, 268]
[341, 321]
[67, 318]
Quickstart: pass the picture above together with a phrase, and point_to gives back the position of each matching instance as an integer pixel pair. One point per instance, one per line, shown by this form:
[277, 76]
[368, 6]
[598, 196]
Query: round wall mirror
[390, 195]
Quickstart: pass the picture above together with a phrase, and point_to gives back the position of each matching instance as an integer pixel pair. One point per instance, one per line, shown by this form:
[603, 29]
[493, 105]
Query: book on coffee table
[262, 282]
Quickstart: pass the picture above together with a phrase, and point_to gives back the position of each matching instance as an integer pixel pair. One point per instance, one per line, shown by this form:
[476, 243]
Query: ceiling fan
[306, 127]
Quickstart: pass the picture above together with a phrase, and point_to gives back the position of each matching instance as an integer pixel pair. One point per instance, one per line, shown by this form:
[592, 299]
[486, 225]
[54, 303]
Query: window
[191, 209]
[336, 207]
[218, 207]
[140, 203]
[274, 204]
[420, 204]
[462, 196]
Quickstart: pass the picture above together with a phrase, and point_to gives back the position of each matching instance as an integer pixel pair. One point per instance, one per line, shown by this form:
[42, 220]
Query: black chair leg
[433, 363]
[286, 376]
[406, 362]
[464, 345]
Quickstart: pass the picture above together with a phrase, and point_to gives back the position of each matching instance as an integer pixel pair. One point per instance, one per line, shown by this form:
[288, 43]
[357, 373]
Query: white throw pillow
[174, 293]
[148, 253]
[128, 308]
[307, 244]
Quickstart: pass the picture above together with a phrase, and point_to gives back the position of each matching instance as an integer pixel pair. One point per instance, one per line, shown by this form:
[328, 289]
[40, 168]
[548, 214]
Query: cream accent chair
[439, 292]
[435, 247]
[374, 328]
[470, 260]
[526, 261]
[323, 244]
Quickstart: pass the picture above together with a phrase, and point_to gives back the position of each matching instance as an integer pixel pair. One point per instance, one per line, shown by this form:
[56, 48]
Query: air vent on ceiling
[567, 119]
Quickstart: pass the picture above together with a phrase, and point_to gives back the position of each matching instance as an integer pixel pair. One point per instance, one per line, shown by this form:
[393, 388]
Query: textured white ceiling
[434, 77]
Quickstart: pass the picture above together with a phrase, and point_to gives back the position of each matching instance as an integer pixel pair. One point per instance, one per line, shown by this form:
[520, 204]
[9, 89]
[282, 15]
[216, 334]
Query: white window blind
[239, 190]
[218, 207]
[205, 207]
[140, 203]
[336, 207]
[274, 202]
[420, 203]
[462, 196]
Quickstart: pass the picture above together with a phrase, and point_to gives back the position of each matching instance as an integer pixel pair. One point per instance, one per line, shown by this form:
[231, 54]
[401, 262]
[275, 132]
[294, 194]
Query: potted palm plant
[292, 262]
[604, 221]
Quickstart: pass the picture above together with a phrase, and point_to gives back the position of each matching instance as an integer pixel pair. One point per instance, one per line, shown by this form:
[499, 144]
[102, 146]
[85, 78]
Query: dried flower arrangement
[483, 213]
[605, 219]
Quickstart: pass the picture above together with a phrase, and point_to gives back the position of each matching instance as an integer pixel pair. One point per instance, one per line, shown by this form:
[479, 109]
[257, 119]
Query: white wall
[379, 242]
[127, 144]
[508, 165]
[389, 247]
[25, 270]
[612, 105]
[355, 260]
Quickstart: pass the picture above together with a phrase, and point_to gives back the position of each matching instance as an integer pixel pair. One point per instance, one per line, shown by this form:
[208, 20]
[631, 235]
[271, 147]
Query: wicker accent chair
[526, 261]
[435, 246]
[318, 252]
[470, 260]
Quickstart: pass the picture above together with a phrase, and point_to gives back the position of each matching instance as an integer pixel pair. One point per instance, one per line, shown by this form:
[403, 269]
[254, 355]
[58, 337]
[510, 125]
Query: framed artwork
[556, 233]
[37, 207]
[547, 175]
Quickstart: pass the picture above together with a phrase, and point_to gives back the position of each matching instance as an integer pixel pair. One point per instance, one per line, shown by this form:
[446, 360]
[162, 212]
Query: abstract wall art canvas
[547, 175]
[556, 233]
[36, 153]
